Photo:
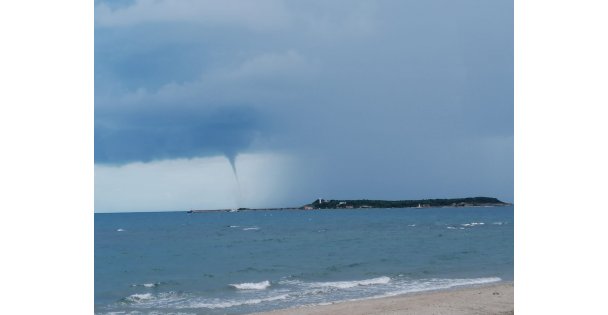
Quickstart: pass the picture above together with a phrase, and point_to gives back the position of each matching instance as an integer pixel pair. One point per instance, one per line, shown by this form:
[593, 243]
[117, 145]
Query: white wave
[473, 224]
[147, 300]
[251, 228]
[233, 226]
[216, 303]
[120, 230]
[319, 293]
[412, 225]
[305, 293]
[498, 223]
[252, 285]
[146, 285]
[139, 297]
[352, 284]
[451, 228]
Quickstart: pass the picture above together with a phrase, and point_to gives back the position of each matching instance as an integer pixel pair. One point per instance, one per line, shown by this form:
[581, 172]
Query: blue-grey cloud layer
[387, 99]
[155, 135]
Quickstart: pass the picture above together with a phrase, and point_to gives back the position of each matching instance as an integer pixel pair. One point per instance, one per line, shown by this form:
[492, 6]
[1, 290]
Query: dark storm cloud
[148, 136]
[378, 99]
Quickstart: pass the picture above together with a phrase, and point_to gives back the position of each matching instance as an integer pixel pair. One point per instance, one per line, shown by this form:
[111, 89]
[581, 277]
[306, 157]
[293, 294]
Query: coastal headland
[321, 204]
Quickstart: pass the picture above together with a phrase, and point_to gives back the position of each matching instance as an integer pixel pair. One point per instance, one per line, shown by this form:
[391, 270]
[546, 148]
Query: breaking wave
[352, 284]
[147, 285]
[140, 297]
[473, 224]
[252, 285]
[291, 293]
[217, 303]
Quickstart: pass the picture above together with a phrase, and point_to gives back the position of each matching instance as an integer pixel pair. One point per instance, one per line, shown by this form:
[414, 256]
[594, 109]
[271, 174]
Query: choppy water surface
[234, 263]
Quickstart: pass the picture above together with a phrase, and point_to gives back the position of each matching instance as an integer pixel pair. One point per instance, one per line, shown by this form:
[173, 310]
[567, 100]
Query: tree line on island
[367, 203]
[422, 203]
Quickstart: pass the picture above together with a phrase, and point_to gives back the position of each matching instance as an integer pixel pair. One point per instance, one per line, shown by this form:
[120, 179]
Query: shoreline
[492, 298]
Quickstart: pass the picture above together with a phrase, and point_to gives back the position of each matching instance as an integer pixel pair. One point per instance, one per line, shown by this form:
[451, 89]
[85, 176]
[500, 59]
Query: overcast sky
[333, 99]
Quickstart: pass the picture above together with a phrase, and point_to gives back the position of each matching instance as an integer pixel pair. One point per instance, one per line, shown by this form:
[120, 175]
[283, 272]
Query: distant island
[321, 204]
[422, 203]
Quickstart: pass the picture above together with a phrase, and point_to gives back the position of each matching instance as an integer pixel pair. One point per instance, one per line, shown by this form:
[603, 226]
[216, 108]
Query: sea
[253, 261]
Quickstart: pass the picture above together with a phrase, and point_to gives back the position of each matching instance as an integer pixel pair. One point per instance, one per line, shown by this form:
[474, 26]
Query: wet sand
[488, 299]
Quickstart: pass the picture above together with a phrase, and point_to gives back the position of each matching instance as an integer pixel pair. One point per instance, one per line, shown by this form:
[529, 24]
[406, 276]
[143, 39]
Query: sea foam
[406, 287]
[136, 298]
[146, 285]
[306, 293]
[352, 284]
[435, 284]
[231, 303]
[252, 285]
[473, 224]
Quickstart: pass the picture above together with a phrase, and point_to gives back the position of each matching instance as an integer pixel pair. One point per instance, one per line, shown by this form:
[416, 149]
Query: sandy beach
[487, 299]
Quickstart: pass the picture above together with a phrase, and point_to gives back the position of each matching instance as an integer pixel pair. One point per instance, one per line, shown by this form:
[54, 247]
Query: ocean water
[251, 261]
